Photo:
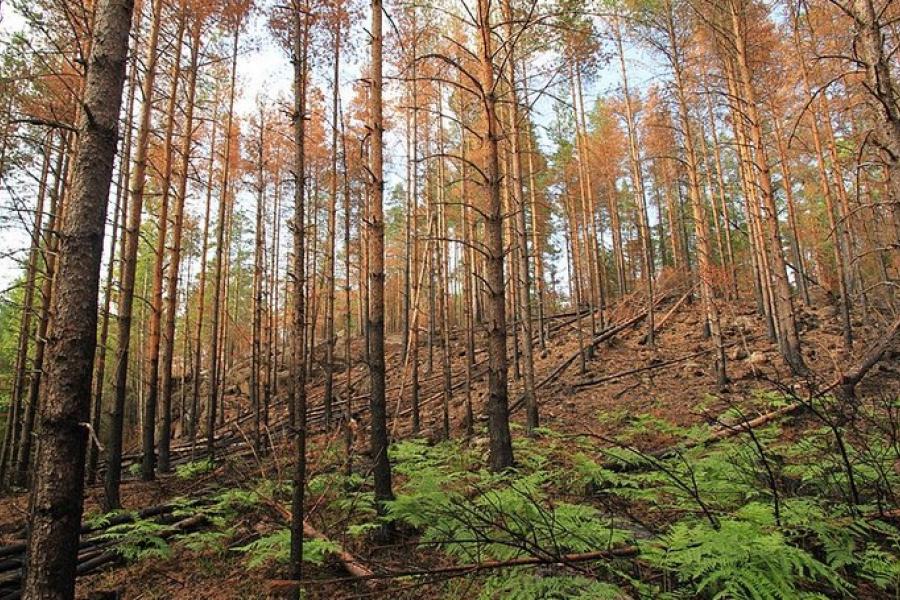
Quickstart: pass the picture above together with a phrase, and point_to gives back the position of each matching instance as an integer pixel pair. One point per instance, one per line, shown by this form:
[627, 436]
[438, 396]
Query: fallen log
[350, 563]
[850, 378]
[468, 569]
[127, 517]
[672, 311]
[651, 367]
[599, 339]
[92, 560]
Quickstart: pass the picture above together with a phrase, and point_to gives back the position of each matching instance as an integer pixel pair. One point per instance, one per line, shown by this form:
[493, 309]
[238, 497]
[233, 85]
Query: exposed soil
[682, 392]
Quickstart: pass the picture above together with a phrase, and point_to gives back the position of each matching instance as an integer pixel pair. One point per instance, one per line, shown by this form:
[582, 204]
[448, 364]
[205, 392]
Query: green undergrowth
[218, 536]
[792, 510]
[767, 514]
[194, 468]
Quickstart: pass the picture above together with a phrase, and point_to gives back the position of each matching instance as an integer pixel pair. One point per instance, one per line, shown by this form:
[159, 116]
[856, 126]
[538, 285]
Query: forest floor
[639, 387]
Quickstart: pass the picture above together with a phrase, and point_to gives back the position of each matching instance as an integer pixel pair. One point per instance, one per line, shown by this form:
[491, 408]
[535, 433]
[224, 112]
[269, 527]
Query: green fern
[362, 528]
[139, 539]
[234, 499]
[510, 516]
[272, 489]
[517, 584]
[276, 547]
[880, 567]
[205, 542]
[335, 481]
[101, 520]
[740, 560]
[194, 468]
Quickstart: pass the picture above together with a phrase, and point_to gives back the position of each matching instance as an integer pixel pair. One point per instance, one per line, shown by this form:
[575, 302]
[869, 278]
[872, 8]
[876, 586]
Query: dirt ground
[680, 389]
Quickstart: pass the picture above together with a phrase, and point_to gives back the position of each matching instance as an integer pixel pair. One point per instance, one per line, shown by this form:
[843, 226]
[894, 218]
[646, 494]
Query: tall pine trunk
[297, 389]
[377, 400]
[704, 250]
[219, 281]
[332, 226]
[523, 284]
[57, 503]
[181, 174]
[131, 237]
[501, 454]
[148, 462]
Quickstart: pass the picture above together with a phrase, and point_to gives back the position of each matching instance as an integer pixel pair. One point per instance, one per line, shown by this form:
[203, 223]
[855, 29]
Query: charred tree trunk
[297, 388]
[412, 220]
[201, 285]
[501, 455]
[332, 227]
[57, 501]
[119, 222]
[375, 327]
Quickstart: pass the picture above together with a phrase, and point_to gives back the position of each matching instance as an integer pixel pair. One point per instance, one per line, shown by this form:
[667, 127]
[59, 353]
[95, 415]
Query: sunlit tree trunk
[523, 284]
[574, 278]
[129, 263]
[788, 184]
[201, 285]
[704, 252]
[723, 202]
[535, 233]
[640, 196]
[221, 257]
[181, 175]
[148, 463]
[443, 267]
[827, 192]
[789, 340]
[593, 280]
[468, 282]
[348, 311]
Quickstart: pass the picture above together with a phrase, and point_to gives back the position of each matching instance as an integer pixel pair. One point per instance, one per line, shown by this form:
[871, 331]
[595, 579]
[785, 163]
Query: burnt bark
[375, 325]
[501, 454]
[57, 499]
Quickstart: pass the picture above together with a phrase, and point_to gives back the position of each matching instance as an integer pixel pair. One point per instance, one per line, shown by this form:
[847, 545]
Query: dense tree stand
[463, 299]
